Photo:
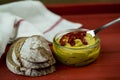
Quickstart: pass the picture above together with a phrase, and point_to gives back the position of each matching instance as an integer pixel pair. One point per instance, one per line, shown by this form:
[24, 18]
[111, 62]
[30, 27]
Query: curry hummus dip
[76, 47]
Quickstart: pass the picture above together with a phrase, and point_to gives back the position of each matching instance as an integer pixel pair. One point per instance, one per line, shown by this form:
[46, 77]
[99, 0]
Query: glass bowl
[75, 56]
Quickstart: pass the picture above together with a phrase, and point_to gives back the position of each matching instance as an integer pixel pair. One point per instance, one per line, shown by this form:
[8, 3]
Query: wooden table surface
[107, 66]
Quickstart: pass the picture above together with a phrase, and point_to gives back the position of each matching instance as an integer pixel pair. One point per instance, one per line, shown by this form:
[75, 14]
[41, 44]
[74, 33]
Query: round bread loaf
[30, 56]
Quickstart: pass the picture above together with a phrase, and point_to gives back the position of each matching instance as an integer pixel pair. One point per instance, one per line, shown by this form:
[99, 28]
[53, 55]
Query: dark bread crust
[35, 68]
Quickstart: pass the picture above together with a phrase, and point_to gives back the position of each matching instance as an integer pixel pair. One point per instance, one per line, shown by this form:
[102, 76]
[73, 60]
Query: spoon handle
[106, 25]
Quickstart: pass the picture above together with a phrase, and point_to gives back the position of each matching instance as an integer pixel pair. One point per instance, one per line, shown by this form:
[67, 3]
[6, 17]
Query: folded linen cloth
[27, 18]
[13, 27]
[6, 30]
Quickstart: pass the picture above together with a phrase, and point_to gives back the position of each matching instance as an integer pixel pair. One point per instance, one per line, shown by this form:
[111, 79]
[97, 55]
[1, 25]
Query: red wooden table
[91, 15]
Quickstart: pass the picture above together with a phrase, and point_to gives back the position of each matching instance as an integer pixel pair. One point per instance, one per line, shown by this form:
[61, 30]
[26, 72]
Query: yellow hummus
[78, 54]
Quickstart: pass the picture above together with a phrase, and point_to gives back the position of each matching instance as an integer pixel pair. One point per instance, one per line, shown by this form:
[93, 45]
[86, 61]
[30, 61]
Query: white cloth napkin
[26, 18]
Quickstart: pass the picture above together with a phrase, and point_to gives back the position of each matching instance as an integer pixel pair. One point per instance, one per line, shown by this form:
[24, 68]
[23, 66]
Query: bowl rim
[72, 30]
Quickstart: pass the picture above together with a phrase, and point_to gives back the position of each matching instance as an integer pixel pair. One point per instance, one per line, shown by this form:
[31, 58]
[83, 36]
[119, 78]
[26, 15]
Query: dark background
[63, 1]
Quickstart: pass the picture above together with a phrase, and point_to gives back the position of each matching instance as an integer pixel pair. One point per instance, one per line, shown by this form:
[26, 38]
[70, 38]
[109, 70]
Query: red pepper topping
[70, 37]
